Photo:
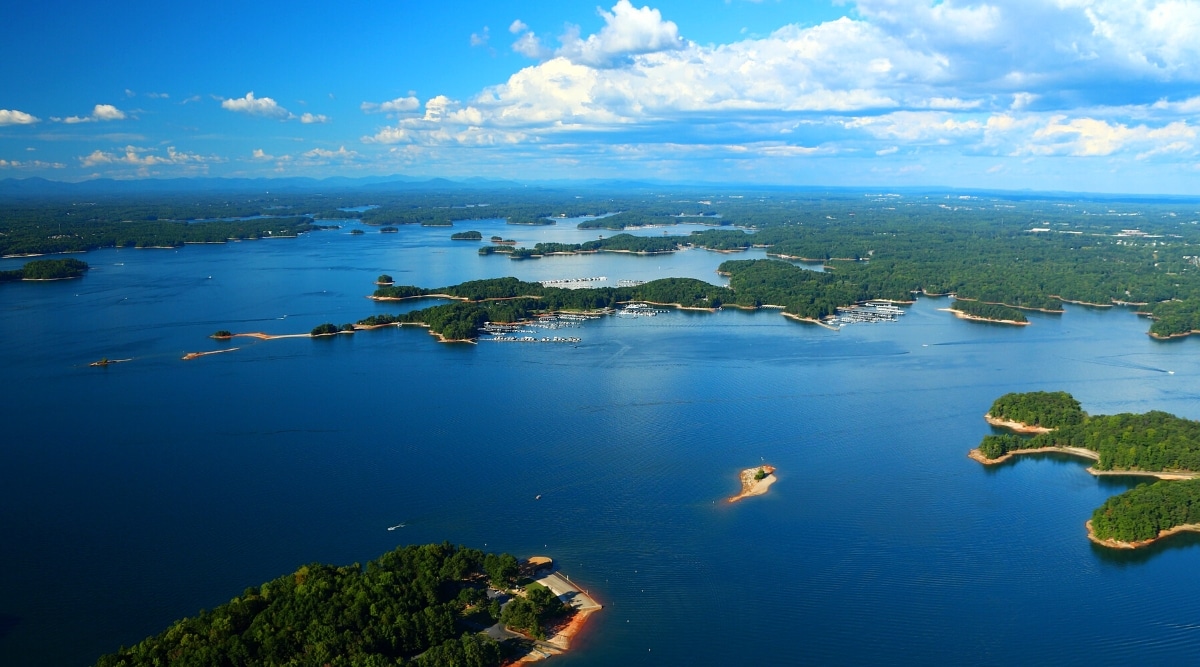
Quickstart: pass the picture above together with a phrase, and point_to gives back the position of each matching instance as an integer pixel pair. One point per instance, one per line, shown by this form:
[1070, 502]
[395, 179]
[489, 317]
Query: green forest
[1153, 442]
[1142, 512]
[1048, 409]
[419, 605]
[988, 311]
[46, 269]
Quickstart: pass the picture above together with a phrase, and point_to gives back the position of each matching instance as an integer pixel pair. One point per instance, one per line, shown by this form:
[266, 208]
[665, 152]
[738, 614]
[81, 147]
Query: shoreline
[1082, 453]
[1019, 427]
[196, 355]
[1060, 311]
[558, 639]
[754, 487]
[807, 320]
[977, 455]
[975, 318]
[1119, 544]
[1183, 334]
[1082, 303]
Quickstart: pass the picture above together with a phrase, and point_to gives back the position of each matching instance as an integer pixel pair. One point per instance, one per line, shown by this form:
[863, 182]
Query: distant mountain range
[40, 187]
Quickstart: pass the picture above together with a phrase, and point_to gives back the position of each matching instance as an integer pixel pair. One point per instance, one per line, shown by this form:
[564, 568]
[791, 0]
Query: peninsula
[755, 481]
[431, 605]
[1154, 444]
[987, 312]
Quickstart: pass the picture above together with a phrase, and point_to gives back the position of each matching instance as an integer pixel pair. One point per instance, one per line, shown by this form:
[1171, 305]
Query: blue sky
[1083, 95]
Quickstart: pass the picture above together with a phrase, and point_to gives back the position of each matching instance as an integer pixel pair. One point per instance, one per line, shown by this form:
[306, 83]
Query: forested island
[46, 269]
[466, 236]
[419, 605]
[1154, 443]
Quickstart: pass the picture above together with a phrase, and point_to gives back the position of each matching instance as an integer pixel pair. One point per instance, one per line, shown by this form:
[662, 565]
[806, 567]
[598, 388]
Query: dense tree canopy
[988, 311]
[406, 606]
[46, 269]
[1154, 442]
[1142, 512]
[1049, 409]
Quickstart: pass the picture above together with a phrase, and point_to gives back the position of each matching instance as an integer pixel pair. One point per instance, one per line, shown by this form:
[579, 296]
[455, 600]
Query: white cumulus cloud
[256, 106]
[143, 157]
[101, 112]
[398, 105]
[14, 117]
[310, 118]
[627, 31]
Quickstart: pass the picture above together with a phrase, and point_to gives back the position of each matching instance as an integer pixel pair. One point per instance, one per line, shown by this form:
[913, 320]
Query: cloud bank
[1005, 79]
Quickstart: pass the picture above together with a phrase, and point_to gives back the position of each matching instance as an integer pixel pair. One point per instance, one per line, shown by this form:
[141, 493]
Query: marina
[572, 282]
[534, 339]
[870, 312]
[639, 310]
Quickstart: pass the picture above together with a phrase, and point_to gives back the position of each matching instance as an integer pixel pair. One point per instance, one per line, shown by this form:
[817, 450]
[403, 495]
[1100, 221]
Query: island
[1153, 444]
[755, 481]
[104, 362]
[466, 236]
[46, 269]
[425, 605]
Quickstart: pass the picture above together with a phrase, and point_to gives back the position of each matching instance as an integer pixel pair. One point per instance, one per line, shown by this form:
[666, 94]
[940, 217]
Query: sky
[1067, 95]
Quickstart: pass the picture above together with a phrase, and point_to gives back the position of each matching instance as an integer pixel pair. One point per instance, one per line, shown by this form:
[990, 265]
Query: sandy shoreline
[754, 487]
[1019, 427]
[1082, 303]
[975, 318]
[196, 355]
[1073, 451]
[1183, 334]
[977, 455]
[1118, 544]
[558, 638]
[808, 320]
[1060, 311]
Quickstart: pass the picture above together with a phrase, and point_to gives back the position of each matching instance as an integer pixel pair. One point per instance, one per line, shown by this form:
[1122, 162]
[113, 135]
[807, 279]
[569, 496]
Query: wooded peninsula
[1155, 443]
[417, 605]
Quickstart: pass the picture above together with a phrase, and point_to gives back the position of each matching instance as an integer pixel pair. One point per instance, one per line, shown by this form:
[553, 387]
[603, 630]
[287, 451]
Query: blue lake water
[139, 493]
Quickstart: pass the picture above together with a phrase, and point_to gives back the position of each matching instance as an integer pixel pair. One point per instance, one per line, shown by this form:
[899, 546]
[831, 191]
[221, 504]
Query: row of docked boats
[870, 312]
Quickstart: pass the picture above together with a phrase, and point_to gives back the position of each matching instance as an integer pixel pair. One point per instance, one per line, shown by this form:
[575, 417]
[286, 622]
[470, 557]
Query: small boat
[538, 497]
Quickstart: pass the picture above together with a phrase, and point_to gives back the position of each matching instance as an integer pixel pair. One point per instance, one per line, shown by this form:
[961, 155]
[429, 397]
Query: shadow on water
[7, 623]
[1061, 458]
[1127, 557]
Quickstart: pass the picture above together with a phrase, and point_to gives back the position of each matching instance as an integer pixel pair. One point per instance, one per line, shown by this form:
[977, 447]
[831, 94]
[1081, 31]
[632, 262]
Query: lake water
[139, 493]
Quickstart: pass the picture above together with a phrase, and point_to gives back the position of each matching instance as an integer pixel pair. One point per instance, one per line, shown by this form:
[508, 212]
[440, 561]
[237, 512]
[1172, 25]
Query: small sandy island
[192, 355]
[1118, 544]
[108, 362]
[755, 481]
